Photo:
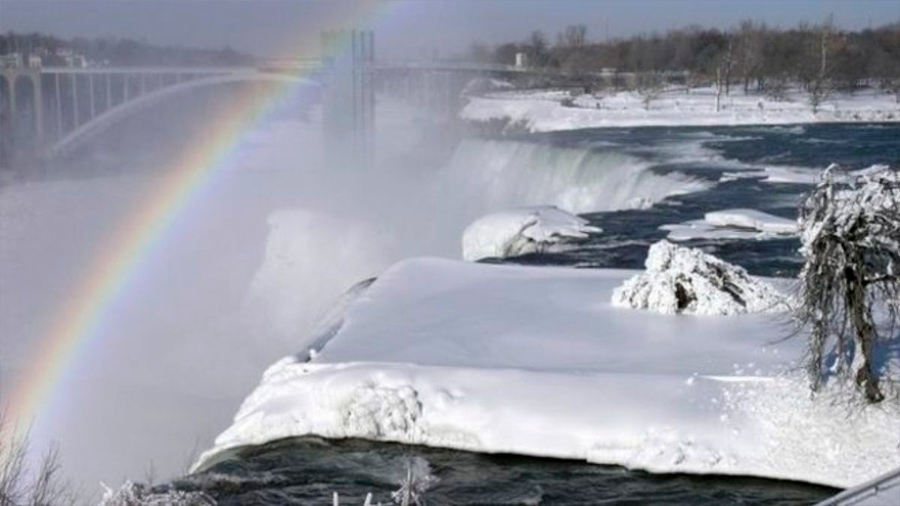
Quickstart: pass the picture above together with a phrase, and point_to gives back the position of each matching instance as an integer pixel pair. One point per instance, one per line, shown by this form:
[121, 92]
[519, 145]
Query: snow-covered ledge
[537, 361]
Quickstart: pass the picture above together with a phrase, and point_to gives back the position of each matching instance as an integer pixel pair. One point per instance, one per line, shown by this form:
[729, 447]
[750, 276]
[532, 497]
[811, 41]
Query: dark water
[308, 470]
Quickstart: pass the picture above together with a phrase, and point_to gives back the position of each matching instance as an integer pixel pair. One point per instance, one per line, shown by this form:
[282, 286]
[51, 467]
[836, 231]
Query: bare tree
[18, 486]
[649, 87]
[574, 36]
[851, 244]
[723, 72]
[819, 87]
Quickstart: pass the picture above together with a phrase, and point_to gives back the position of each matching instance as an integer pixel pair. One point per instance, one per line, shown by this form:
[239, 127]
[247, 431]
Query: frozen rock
[688, 281]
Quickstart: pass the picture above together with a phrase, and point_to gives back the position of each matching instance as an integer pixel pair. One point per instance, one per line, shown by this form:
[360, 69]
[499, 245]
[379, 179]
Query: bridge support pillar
[38, 98]
[59, 119]
[349, 98]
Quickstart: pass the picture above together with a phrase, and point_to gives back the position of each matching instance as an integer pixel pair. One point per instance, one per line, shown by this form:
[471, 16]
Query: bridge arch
[125, 110]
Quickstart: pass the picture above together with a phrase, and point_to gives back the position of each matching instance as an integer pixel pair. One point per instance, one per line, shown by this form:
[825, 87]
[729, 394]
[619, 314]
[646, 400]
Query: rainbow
[131, 243]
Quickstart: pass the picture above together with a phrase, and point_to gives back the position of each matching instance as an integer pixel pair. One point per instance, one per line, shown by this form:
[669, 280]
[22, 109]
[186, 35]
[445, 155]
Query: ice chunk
[753, 219]
[520, 231]
[733, 224]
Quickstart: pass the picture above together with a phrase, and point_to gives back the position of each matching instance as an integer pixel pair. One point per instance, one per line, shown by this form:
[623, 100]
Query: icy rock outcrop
[522, 231]
[686, 280]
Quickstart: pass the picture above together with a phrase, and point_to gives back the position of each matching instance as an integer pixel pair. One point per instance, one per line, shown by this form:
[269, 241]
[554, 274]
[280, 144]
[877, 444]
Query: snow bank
[543, 111]
[733, 224]
[686, 280]
[520, 231]
[536, 361]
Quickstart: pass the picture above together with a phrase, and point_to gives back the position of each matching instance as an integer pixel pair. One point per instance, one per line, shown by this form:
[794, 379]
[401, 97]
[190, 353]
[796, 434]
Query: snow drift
[686, 280]
[536, 361]
[521, 231]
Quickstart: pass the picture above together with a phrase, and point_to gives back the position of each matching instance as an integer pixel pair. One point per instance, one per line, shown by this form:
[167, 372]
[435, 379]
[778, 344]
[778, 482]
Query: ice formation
[733, 224]
[681, 280]
[520, 231]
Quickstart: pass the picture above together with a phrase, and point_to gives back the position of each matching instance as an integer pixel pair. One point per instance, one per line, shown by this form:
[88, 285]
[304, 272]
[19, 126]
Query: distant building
[34, 61]
[68, 58]
[75, 60]
[521, 60]
[11, 60]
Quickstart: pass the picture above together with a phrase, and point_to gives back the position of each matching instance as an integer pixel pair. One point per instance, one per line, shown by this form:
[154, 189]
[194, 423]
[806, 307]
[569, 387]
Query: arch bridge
[50, 110]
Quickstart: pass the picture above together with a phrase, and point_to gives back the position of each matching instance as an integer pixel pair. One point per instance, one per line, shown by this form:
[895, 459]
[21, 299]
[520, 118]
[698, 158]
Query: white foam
[503, 174]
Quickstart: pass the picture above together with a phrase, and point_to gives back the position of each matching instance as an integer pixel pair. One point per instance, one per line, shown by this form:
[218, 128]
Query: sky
[408, 28]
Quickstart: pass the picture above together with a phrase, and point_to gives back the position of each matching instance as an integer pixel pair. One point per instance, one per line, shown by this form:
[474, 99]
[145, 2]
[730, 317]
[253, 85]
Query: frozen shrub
[849, 285]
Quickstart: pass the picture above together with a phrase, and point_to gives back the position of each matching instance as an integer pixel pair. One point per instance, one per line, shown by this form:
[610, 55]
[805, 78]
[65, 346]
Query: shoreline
[546, 110]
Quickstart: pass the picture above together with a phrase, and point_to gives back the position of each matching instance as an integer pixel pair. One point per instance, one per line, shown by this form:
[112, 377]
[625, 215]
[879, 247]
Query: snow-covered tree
[850, 284]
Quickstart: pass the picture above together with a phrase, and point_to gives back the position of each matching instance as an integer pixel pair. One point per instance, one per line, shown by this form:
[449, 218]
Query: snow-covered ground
[538, 361]
[520, 231]
[541, 111]
[733, 224]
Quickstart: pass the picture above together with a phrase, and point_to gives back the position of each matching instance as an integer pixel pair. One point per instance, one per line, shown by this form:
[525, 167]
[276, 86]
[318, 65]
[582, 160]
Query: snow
[134, 494]
[520, 231]
[537, 361]
[873, 194]
[541, 111]
[733, 224]
[688, 281]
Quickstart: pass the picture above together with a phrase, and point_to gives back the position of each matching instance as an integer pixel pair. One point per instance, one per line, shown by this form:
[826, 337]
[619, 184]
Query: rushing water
[308, 470]
[686, 172]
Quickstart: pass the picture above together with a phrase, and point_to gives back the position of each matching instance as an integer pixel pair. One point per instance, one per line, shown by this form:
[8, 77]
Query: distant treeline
[117, 51]
[752, 54]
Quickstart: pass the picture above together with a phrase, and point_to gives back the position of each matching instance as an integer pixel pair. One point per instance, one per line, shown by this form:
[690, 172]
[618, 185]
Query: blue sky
[412, 27]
